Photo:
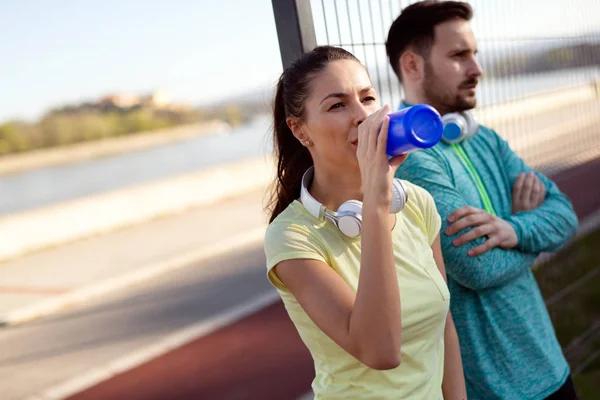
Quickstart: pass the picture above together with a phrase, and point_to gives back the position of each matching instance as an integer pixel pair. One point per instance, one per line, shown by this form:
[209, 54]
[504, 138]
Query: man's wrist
[516, 227]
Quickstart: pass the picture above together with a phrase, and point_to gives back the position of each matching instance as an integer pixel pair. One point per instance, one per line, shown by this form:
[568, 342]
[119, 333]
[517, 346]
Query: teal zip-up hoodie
[508, 345]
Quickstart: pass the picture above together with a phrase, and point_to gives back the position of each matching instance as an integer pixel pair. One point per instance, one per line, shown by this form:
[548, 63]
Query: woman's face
[341, 97]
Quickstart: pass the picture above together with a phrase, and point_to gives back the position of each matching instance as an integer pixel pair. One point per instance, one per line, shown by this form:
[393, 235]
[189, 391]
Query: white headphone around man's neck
[459, 126]
[348, 217]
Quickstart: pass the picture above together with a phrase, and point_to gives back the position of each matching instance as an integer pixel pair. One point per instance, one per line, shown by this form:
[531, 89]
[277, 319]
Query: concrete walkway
[46, 281]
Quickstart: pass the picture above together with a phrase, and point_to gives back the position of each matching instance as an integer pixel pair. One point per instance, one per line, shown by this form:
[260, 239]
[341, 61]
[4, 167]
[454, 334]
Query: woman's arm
[367, 324]
[453, 384]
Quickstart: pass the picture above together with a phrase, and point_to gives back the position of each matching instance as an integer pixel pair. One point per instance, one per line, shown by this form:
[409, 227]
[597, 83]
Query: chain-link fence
[541, 61]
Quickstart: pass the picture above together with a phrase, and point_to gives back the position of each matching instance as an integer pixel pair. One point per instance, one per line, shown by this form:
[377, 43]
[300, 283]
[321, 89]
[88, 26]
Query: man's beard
[444, 101]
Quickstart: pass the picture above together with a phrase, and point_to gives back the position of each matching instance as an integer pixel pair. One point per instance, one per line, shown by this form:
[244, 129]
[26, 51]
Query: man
[498, 215]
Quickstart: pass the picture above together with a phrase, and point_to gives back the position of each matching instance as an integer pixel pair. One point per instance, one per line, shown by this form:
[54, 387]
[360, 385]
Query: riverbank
[81, 152]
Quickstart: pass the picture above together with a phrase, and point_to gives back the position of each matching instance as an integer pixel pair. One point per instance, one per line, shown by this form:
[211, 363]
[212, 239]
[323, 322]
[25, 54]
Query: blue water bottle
[413, 128]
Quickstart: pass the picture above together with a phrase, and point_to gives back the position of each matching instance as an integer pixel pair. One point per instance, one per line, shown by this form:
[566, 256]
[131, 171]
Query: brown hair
[414, 28]
[293, 88]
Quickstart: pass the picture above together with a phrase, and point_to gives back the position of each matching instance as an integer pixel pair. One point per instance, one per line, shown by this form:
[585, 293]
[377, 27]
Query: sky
[62, 52]
[198, 51]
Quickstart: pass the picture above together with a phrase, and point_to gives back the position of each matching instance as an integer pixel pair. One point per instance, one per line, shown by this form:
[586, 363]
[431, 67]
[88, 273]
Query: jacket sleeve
[493, 268]
[547, 227]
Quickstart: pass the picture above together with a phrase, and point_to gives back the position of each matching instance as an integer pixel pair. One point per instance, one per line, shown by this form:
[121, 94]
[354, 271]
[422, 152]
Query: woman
[368, 297]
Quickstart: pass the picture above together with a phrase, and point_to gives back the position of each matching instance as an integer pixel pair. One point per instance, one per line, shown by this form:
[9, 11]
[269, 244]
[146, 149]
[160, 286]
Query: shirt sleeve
[288, 241]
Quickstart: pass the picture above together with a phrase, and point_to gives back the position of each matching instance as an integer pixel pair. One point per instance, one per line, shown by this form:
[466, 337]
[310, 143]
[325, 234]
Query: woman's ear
[297, 130]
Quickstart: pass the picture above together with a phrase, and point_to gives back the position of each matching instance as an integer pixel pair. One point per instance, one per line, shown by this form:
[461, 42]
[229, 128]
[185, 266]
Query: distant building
[122, 100]
[157, 100]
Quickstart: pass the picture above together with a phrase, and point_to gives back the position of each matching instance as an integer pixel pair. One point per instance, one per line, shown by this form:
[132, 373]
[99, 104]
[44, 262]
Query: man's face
[451, 72]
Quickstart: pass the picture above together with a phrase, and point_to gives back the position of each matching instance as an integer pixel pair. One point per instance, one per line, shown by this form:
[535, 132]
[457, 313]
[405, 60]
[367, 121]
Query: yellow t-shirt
[295, 233]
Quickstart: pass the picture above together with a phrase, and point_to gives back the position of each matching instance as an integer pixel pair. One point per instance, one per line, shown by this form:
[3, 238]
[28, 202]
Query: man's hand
[528, 192]
[499, 232]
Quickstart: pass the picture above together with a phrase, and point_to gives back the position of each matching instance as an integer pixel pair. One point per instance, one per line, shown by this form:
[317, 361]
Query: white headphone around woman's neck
[348, 217]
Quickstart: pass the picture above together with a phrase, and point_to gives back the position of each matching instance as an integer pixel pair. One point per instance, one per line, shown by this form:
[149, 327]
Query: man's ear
[412, 66]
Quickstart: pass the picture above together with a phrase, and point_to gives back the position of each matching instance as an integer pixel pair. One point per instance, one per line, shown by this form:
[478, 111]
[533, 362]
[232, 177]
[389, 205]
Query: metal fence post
[295, 28]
